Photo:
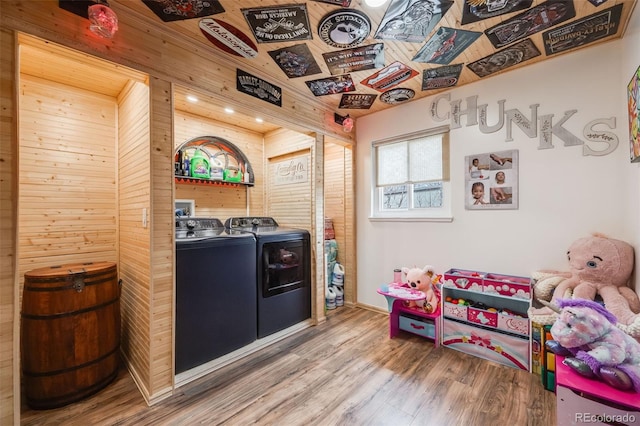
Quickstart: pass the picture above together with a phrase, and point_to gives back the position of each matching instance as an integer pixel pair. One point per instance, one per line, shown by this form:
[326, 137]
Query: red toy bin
[513, 324]
[507, 285]
[464, 279]
[482, 317]
[453, 310]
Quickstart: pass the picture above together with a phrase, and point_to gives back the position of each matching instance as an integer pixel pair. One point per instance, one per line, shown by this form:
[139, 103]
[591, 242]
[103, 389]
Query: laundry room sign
[293, 170]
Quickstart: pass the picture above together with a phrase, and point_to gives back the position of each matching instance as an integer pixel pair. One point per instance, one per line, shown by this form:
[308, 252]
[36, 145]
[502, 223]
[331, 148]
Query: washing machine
[283, 260]
[216, 300]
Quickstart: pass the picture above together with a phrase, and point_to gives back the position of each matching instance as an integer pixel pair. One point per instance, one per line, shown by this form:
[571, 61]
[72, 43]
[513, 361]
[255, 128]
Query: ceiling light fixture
[104, 21]
[229, 110]
[374, 3]
[192, 98]
[259, 120]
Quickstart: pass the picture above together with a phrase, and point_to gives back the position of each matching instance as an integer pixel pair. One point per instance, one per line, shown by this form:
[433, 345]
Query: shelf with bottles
[211, 160]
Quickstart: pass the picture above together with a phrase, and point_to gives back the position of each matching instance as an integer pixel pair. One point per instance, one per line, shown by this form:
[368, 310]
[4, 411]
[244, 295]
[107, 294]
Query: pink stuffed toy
[598, 266]
[585, 332]
[422, 279]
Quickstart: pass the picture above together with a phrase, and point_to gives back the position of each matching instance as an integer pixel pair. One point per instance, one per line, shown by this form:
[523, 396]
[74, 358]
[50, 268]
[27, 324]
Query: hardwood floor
[345, 371]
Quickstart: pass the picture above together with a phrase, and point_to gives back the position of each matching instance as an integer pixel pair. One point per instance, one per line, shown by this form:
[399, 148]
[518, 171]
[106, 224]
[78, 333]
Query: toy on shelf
[599, 266]
[586, 333]
[425, 280]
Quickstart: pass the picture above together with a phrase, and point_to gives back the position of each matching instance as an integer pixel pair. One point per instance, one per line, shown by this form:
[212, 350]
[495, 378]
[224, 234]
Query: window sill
[410, 219]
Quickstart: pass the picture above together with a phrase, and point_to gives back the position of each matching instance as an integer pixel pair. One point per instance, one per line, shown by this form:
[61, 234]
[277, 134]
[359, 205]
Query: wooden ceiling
[601, 25]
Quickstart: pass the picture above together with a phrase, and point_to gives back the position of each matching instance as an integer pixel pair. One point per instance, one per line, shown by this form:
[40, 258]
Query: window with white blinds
[411, 176]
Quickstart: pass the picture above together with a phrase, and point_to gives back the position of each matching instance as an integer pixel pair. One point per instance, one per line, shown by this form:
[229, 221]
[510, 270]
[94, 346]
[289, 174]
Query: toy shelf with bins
[227, 164]
[489, 325]
[411, 319]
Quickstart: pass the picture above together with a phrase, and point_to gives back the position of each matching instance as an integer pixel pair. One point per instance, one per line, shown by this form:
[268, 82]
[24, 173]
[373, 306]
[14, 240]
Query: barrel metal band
[75, 367]
[70, 314]
[66, 287]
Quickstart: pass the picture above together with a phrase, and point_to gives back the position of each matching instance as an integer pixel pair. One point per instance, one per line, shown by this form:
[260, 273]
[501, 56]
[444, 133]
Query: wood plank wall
[215, 201]
[134, 178]
[67, 196]
[162, 295]
[159, 50]
[9, 328]
[147, 48]
[294, 205]
[338, 198]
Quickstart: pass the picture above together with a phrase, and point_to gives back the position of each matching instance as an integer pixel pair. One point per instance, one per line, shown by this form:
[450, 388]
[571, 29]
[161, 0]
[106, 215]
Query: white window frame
[442, 214]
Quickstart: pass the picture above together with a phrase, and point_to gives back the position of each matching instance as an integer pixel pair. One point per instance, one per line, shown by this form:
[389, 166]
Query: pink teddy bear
[422, 279]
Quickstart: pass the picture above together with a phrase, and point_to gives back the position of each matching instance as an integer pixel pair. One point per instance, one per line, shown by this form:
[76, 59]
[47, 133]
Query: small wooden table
[413, 320]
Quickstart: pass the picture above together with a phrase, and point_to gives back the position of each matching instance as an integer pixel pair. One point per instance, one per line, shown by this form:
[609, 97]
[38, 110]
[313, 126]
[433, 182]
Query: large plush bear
[599, 266]
[422, 279]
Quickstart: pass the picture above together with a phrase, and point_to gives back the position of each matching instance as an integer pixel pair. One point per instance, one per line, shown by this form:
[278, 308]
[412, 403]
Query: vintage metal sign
[331, 85]
[534, 20]
[344, 28]
[505, 58]
[357, 101]
[477, 10]
[438, 78]
[445, 45]
[343, 3]
[228, 38]
[411, 20]
[389, 76]
[258, 88]
[397, 96]
[583, 31]
[356, 59]
[278, 24]
[296, 61]
[171, 10]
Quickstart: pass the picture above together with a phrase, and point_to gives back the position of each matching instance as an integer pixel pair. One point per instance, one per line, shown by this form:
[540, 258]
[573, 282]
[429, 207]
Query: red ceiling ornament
[345, 121]
[347, 124]
[104, 21]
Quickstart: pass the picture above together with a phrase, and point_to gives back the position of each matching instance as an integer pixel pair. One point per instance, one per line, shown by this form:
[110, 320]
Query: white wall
[563, 194]
[629, 64]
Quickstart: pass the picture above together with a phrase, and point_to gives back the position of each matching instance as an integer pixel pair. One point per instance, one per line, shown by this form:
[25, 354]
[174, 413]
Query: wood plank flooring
[345, 371]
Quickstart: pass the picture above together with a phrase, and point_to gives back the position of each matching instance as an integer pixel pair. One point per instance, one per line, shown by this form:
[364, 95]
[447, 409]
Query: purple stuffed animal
[586, 333]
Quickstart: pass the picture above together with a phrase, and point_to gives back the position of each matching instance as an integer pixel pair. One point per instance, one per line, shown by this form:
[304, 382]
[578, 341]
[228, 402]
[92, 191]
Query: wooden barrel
[70, 334]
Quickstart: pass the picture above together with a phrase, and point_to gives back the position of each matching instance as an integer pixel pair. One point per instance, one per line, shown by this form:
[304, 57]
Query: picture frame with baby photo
[491, 180]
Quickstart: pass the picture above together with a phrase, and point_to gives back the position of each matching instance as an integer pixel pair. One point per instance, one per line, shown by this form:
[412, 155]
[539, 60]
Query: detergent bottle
[200, 165]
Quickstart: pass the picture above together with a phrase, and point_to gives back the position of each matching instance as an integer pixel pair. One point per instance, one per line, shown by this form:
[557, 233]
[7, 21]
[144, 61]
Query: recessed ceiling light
[259, 120]
[229, 110]
[192, 98]
[375, 3]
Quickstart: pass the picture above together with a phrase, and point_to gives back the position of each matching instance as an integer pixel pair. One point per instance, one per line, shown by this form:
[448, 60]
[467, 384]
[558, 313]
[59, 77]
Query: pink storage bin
[507, 285]
[464, 279]
[482, 317]
[452, 310]
[513, 324]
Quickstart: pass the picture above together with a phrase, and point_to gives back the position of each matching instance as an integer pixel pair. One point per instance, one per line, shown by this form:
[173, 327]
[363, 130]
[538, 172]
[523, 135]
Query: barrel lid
[69, 268]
